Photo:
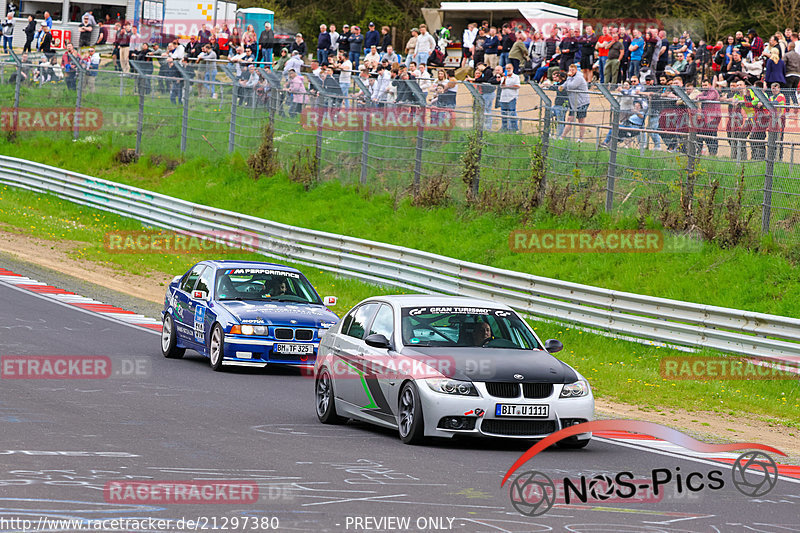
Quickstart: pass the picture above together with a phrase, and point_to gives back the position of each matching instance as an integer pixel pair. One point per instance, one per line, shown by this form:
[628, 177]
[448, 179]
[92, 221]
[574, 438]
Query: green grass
[756, 281]
[618, 370]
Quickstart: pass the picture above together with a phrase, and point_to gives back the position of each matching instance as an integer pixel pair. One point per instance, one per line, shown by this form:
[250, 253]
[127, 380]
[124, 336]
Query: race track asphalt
[63, 440]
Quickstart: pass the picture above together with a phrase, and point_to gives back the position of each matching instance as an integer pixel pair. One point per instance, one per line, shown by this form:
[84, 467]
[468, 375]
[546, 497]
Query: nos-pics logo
[533, 493]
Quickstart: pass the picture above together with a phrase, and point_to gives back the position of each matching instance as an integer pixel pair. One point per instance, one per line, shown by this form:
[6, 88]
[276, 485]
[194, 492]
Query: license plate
[294, 348]
[514, 409]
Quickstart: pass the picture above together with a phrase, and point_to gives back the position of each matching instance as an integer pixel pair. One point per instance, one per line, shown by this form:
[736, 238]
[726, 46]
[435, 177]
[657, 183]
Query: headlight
[247, 330]
[574, 390]
[452, 386]
[260, 330]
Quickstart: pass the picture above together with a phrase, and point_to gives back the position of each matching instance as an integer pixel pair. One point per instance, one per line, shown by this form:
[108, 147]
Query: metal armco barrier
[769, 337]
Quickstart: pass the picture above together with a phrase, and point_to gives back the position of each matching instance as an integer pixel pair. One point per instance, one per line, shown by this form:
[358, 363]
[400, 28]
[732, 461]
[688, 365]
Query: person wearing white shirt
[345, 67]
[373, 56]
[178, 52]
[509, 91]
[424, 79]
[136, 39]
[237, 60]
[294, 63]
[424, 47]
[468, 42]
[382, 83]
[334, 40]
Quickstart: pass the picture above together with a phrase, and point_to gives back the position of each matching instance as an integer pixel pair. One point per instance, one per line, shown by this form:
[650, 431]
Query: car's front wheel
[216, 348]
[325, 400]
[410, 422]
[169, 341]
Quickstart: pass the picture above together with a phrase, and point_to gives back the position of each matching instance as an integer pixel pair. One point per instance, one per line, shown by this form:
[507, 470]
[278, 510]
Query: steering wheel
[486, 342]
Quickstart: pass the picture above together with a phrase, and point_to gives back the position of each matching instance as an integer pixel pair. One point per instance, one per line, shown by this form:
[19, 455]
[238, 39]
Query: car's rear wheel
[169, 341]
[410, 422]
[325, 399]
[216, 348]
[571, 443]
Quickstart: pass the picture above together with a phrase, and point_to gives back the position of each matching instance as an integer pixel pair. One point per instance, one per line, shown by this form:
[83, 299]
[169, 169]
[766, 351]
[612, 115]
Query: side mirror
[553, 345]
[377, 340]
[200, 295]
[330, 300]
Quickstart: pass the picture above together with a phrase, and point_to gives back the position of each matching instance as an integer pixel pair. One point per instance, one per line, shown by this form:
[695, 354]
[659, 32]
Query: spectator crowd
[638, 64]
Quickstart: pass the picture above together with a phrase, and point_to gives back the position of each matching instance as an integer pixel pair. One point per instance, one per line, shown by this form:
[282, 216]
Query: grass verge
[619, 370]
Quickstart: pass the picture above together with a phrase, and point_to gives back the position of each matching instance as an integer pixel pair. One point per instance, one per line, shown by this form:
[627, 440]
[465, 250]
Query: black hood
[494, 364]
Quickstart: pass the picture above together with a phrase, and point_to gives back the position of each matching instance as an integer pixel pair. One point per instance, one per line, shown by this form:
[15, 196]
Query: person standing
[356, 42]
[602, 46]
[425, 46]
[8, 32]
[506, 42]
[372, 38]
[45, 46]
[578, 94]
[124, 42]
[344, 40]
[85, 32]
[266, 41]
[776, 70]
[611, 74]
[509, 92]
[490, 46]
[518, 53]
[386, 40]
[637, 50]
[323, 45]
[588, 43]
[30, 32]
[792, 62]
[208, 58]
[411, 45]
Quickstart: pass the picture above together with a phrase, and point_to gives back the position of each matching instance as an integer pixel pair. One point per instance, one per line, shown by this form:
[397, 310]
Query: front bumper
[260, 350]
[562, 412]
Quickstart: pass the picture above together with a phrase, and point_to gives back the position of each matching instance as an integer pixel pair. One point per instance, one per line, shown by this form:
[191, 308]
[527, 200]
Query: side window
[383, 323]
[361, 318]
[206, 281]
[189, 281]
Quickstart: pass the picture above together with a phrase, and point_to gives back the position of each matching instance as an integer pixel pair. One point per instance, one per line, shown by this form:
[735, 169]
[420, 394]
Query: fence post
[78, 98]
[612, 156]
[775, 125]
[140, 125]
[547, 105]
[234, 111]
[691, 138]
[17, 89]
[318, 149]
[185, 122]
[418, 156]
[364, 154]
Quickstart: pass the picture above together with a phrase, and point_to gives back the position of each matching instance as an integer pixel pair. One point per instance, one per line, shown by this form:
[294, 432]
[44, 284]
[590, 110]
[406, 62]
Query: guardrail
[760, 335]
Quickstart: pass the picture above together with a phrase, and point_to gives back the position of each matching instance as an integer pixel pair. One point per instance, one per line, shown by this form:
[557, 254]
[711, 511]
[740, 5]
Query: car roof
[222, 263]
[419, 300]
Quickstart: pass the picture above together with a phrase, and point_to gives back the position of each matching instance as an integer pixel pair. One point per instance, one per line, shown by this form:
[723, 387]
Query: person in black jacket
[45, 46]
[30, 31]
[344, 40]
[145, 64]
[386, 39]
[299, 45]
[266, 42]
[193, 48]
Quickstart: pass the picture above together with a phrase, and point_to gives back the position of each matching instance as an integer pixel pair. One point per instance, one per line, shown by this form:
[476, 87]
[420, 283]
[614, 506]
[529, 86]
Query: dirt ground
[704, 425]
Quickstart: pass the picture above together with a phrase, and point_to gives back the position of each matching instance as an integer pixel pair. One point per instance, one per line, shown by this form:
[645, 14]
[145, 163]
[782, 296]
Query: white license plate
[514, 409]
[294, 348]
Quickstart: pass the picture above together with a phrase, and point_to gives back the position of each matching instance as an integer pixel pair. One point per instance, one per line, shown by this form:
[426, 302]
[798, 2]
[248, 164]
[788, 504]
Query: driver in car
[279, 288]
[482, 333]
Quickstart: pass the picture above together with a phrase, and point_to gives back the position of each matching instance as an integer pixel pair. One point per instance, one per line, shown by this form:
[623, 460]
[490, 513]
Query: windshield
[465, 326]
[264, 285]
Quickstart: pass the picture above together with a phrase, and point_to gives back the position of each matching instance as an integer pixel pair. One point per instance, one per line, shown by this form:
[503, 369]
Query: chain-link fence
[635, 150]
